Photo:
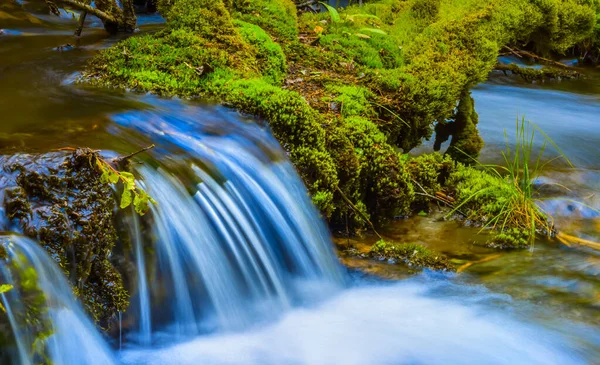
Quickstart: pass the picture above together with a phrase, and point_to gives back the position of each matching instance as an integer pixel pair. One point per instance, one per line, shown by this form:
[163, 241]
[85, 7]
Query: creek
[236, 266]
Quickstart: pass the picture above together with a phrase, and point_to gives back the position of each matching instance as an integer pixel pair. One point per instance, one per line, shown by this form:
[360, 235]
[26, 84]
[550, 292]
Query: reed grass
[520, 208]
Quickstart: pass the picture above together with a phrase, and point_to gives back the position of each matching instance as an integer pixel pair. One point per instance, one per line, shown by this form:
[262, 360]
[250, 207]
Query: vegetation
[411, 254]
[358, 83]
[505, 198]
[132, 192]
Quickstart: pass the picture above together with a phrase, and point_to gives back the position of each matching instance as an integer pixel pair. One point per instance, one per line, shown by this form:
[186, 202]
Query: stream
[243, 269]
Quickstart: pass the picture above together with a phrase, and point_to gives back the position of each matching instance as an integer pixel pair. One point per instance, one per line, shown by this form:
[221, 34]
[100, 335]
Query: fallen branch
[91, 10]
[81, 21]
[361, 214]
[530, 74]
[520, 53]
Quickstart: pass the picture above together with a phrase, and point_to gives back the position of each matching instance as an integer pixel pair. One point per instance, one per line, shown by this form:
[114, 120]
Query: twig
[120, 159]
[91, 10]
[361, 214]
[426, 194]
[513, 51]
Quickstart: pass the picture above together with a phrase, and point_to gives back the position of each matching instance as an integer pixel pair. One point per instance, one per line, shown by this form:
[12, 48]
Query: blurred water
[236, 267]
[75, 340]
[378, 324]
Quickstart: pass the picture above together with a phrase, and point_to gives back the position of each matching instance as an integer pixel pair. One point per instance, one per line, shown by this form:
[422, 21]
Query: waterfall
[37, 280]
[233, 230]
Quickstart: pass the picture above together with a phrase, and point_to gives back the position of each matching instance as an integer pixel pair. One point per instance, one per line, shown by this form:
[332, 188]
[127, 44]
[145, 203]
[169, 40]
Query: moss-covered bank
[343, 96]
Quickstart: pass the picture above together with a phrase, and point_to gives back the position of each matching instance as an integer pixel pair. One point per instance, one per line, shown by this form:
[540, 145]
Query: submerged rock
[60, 200]
[411, 254]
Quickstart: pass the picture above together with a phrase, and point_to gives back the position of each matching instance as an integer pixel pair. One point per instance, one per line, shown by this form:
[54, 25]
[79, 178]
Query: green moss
[511, 238]
[199, 38]
[427, 10]
[293, 122]
[543, 74]
[30, 312]
[278, 17]
[353, 101]
[364, 47]
[479, 193]
[430, 171]
[388, 191]
[394, 69]
[411, 254]
[270, 56]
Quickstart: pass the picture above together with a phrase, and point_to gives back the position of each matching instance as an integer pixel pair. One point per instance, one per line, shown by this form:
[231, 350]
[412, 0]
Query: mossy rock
[60, 200]
[411, 254]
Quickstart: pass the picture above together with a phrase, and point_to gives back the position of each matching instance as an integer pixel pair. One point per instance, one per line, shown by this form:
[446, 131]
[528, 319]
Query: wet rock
[64, 48]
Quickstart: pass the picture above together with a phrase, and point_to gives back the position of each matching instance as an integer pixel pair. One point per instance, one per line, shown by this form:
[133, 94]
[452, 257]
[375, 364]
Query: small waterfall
[145, 320]
[41, 288]
[234, 231]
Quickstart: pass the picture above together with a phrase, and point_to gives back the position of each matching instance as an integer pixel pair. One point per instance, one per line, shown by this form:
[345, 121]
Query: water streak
[74, 338]
[234, 228]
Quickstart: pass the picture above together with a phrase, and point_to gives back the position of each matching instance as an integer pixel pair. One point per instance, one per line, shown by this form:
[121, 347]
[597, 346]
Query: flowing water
[233, 264]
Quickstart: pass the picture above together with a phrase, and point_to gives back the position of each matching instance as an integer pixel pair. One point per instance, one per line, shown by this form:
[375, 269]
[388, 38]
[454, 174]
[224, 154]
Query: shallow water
[521, 307]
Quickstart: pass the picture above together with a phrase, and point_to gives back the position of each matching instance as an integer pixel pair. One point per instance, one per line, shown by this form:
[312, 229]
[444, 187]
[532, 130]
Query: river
[279, 296]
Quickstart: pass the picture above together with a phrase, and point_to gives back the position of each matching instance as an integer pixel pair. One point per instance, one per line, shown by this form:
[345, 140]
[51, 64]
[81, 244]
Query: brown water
[41, 110]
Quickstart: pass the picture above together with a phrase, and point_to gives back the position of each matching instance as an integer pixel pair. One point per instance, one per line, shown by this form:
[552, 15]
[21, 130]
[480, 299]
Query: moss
[427, 10]
[431, 172]
[293, 122]
[364, 47]
[511, 238]
[411, 254]
[60, 200]
[479, 193]
[388, 191]
[30, 310]
[270, 56]
[318, 171]
[352, 101]
[278, 17]
[199, 38]
[393, 68]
